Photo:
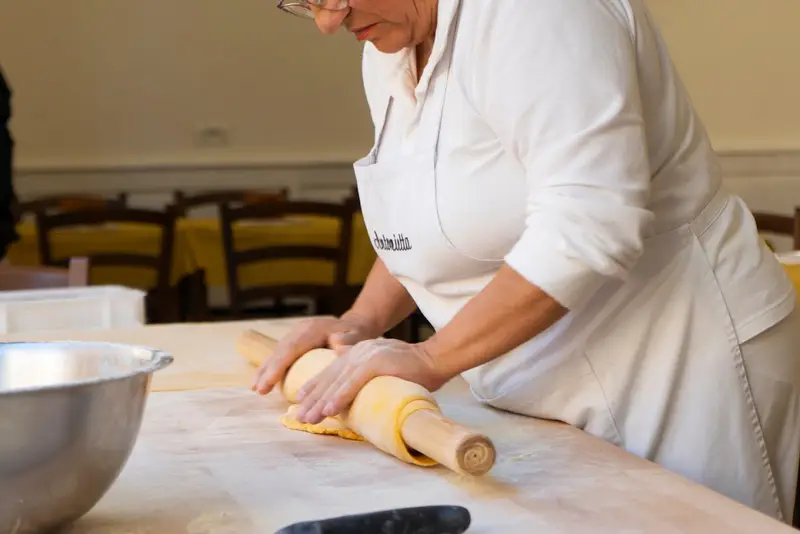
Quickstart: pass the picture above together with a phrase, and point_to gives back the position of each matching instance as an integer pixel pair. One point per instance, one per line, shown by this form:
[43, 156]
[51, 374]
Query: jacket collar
[399, 69]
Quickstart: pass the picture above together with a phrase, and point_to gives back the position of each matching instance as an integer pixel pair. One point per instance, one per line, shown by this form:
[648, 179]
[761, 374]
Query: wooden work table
[217, 461]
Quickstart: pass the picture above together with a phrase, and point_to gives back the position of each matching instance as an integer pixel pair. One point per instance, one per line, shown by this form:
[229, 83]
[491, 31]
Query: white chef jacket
[568, 148]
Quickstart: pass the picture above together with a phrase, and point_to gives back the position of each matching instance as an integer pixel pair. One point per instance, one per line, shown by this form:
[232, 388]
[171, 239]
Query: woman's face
[390, 25]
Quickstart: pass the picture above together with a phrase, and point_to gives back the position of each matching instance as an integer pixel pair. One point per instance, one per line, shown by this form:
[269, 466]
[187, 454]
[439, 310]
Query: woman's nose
[329, 21]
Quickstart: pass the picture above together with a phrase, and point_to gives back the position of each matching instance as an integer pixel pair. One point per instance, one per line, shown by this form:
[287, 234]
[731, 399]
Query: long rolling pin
[425, 431]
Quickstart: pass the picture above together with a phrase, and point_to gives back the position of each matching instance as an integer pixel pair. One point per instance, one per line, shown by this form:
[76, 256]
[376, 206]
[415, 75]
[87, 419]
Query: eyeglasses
[302, 8]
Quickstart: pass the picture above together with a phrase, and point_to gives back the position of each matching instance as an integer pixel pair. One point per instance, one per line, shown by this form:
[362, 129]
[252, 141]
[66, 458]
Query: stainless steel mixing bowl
[70, 413]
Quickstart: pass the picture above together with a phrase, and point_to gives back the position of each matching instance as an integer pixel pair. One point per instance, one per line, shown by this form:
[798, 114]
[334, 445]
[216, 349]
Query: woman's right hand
[309, 334]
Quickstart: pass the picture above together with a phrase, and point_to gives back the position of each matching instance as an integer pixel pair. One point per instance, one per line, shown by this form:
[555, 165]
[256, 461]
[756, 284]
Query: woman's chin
[387, 45]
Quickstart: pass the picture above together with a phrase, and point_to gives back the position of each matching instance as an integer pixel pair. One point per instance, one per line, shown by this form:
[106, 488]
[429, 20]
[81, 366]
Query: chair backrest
[73, 202]
[161, 262]
[786, 225]
[184, 203]
[17, 277]
[337, 253]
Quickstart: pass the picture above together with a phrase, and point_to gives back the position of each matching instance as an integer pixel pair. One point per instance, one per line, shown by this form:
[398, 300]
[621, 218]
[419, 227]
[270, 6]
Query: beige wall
[138, 81]
[113, 82]
[741, 62]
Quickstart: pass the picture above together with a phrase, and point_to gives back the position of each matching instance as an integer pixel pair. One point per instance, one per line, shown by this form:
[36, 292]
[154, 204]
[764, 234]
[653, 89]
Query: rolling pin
[424, 431]
[422, 520]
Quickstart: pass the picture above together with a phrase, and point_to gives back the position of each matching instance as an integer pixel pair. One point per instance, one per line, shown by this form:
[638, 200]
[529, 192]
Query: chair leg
[415, 323]
[163, 306]
[280, 308]
[194, 297]
[400, 332]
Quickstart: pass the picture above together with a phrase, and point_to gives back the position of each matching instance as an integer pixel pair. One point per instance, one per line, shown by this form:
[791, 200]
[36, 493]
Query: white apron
[652, 365]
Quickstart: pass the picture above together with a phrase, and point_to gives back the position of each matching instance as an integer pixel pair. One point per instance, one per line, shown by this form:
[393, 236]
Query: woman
[564, 229]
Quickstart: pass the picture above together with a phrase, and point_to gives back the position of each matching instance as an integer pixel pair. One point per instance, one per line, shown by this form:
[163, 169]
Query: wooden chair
[163, 301]
[193, 287]
[786, 225]
[74, 202]
[184, 203]
[19, 278]
[330, 298]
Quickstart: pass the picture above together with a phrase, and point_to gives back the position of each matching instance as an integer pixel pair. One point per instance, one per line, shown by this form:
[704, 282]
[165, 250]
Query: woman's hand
[318, 332]
[335, 388]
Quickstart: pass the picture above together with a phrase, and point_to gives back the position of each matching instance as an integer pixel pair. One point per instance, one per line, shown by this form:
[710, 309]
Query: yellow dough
[376, 415]
[331, 426]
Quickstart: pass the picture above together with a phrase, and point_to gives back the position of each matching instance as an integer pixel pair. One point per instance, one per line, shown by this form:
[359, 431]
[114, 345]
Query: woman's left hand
[335, 388]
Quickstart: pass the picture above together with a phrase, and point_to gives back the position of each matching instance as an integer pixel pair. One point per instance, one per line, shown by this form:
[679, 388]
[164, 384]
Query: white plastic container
[78, 308]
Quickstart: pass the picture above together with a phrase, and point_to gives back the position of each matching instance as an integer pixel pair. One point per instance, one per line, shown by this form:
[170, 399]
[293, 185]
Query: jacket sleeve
[557, 82]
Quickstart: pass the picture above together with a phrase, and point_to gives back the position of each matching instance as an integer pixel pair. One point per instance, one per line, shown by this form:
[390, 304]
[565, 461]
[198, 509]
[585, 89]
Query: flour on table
[215, 523]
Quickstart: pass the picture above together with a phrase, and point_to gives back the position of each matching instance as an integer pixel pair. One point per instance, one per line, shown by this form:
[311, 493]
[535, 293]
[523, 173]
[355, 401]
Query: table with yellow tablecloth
[198, 245]
[105, 239]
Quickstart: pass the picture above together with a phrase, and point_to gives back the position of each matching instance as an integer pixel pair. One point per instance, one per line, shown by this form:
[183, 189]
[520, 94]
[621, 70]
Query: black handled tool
[417, 520]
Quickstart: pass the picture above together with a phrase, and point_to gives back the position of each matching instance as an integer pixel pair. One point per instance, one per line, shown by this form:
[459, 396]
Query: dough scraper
[417, 520]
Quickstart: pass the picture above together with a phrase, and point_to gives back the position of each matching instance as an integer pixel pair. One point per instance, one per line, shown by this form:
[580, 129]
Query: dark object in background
[8, 200]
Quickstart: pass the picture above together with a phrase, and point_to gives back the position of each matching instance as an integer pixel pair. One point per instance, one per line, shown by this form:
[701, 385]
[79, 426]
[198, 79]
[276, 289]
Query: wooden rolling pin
[425, 431]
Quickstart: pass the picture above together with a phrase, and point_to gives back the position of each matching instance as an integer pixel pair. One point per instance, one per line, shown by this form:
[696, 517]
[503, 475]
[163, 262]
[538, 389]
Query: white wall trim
[194, 160]
[149, 180]
[760, 163]
[766, 180]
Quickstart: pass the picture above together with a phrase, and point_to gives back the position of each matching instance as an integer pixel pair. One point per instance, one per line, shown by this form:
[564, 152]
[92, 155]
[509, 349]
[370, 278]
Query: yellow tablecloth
[791, 262]
[794, 274]
[205, 243]
[198, 245]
